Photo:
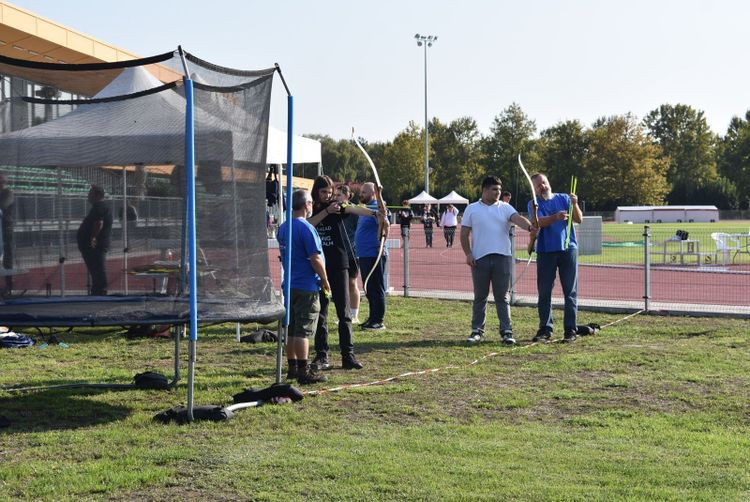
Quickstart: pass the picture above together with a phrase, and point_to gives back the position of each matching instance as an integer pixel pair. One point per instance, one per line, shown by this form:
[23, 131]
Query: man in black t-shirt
[94, 239]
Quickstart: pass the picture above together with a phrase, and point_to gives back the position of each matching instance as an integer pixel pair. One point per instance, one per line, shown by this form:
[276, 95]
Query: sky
[355, 63]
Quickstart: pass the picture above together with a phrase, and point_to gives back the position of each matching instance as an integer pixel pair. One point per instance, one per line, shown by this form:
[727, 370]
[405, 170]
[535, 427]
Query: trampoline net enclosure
[128, 136]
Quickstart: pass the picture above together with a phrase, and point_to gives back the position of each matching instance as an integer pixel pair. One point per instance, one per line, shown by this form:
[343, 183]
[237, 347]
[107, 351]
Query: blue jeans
[494, 269]
[375, 286]
[547, 265]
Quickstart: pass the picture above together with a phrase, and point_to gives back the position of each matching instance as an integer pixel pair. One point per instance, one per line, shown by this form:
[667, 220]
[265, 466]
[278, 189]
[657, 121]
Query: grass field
[623, 243]
[652, 408]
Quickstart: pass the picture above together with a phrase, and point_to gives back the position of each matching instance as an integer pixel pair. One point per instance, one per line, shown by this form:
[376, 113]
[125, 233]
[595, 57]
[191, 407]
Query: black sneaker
[542, 336]
[570, 336]
[349, 362]
[310, 376]
[320, 362]
[374, 326]
[507, 338]
[475, 337]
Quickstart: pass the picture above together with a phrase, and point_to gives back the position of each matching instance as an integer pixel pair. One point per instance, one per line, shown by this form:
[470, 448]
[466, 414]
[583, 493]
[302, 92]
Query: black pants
[450, 233]
[339, 281]
[375, 286]
[428, 236]
[95, 260]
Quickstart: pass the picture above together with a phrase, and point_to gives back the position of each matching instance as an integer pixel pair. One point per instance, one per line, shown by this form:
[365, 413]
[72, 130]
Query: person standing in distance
[485, 241]
[553, 256]
[308, 277]
[449, 222]
[93, 239]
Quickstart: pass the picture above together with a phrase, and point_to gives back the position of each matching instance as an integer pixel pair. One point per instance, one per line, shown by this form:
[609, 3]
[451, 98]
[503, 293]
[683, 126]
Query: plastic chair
[725, 244]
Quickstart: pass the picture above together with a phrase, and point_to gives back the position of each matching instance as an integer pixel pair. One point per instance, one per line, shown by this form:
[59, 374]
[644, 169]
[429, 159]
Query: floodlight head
[429, 44]
[416, 36]
[419, 43]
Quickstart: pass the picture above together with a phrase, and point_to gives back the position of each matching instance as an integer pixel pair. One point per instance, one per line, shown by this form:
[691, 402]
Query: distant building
[666, 214]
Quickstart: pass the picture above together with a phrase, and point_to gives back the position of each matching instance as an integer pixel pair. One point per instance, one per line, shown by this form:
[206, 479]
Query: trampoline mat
[132, 310]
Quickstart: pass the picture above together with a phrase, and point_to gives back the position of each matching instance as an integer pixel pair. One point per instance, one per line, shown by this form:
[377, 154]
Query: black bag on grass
[265, 395]
[151, 380]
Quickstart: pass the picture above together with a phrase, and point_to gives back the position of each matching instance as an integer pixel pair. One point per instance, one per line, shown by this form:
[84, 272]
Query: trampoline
[179, 146]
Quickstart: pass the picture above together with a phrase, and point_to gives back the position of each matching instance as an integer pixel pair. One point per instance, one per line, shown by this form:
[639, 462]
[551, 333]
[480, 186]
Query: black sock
[302, 364]
[292, 363]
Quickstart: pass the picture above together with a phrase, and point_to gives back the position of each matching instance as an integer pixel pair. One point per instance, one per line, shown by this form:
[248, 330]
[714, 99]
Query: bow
[534, 221]
[534, 206]
[382, 210]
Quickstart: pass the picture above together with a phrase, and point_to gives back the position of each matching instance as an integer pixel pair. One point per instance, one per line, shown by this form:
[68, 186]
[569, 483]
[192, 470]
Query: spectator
[449, 222]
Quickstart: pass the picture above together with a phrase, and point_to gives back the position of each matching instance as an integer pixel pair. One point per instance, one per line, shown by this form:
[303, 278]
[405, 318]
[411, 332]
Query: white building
[666, 214]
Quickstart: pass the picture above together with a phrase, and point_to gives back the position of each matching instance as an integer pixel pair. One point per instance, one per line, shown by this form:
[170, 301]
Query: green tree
[622, 166]
[457, 155]
[562, 149]
[512, 133]
[688, 145]
[734, 157]
[341, 159]
[402, 166]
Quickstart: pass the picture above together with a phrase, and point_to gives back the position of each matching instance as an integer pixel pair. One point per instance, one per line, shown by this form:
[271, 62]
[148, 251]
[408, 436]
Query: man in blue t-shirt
[367, 244]
[555, 252]
[308, 277]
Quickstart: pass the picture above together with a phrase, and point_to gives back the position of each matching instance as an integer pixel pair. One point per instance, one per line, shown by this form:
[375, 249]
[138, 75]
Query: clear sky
[356, 63]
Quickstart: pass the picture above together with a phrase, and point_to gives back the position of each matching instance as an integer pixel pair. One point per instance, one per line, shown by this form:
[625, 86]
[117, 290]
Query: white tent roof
[304, 150]
[453, 198]
[423, 198]
[155, 133]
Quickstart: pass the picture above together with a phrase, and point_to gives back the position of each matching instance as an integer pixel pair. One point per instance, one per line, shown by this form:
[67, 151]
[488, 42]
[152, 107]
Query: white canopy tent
[423, 198]
[453, 198]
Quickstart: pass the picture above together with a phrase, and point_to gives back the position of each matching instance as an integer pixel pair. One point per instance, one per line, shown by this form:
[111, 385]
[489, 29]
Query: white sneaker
[475, 337]
[355, 320]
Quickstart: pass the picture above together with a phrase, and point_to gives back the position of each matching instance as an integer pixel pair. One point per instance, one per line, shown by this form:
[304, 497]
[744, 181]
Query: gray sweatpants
[495, 269]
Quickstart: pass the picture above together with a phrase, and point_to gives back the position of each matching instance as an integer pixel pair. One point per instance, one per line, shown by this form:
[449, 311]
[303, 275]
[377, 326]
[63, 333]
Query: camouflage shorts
[303, 320]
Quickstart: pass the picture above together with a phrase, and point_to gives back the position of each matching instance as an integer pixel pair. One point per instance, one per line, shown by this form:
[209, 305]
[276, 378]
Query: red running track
[441, 268]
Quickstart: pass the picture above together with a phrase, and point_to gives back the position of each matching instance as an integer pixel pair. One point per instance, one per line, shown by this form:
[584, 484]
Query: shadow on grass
[56, 410]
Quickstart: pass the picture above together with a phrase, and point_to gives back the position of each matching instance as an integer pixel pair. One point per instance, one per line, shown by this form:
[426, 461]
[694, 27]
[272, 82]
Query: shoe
[310, 376]
[570, 336]
[355, 321]
[542, 336]
[320, 362]
[507, 338]
[375, 326]
[349, 362]
[475, 337]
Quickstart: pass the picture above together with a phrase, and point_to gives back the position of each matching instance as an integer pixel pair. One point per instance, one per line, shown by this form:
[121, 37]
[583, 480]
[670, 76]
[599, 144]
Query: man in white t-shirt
[485, 240]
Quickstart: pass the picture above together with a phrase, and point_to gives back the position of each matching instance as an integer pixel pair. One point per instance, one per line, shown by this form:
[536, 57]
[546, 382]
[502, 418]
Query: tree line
[669, 157]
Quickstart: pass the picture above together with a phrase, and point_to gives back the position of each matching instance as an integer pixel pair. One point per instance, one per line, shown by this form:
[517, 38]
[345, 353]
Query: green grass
[653, 408]
[626, 241]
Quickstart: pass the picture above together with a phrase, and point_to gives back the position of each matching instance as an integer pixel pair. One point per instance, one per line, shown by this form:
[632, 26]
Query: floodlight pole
[427, 41]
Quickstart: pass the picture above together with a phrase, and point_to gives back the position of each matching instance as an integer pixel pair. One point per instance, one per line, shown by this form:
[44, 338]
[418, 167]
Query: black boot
[310, 376]
[349, 362]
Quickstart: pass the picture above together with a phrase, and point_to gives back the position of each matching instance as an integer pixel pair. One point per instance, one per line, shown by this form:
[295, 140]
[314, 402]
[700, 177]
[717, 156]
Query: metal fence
[680, 268]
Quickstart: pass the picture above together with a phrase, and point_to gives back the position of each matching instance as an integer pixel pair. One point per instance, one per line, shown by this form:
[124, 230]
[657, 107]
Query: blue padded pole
[289, 174]
[190, 173]
[193, 262]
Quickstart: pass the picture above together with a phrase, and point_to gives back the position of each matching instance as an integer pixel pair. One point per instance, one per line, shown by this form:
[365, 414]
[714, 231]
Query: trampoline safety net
[121, 127]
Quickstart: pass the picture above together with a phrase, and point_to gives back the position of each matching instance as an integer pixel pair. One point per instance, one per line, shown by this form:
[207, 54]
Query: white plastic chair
[725, 244]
